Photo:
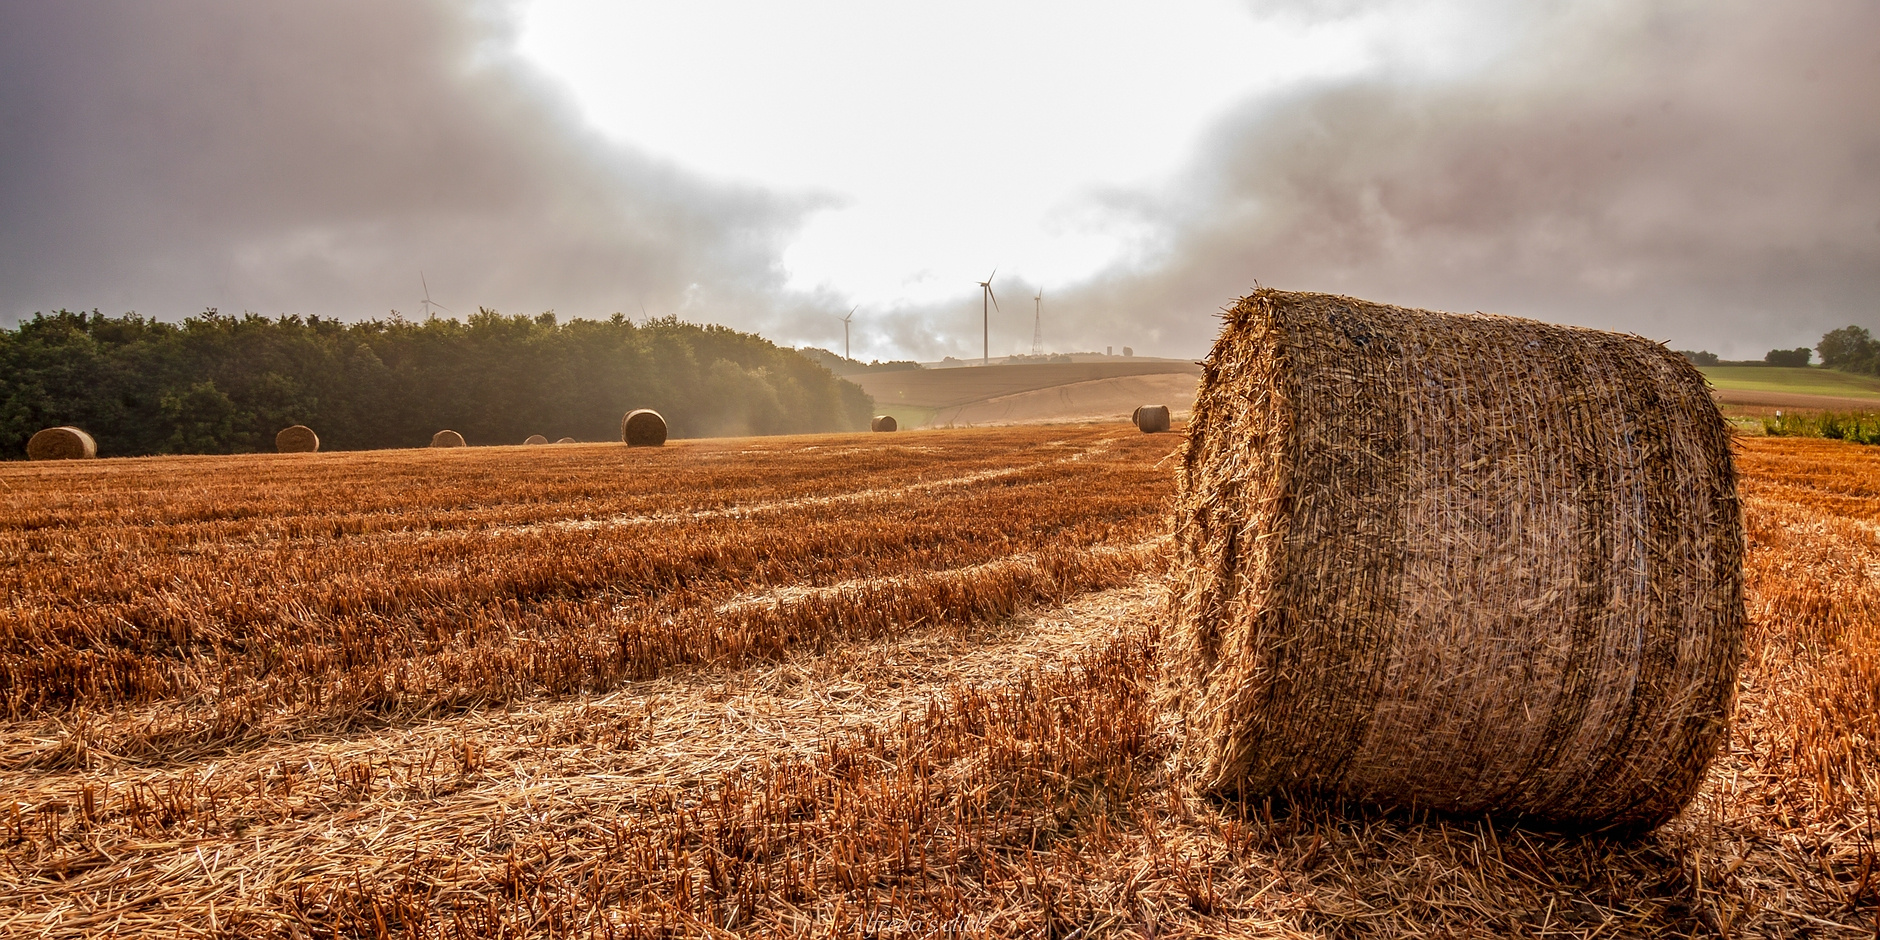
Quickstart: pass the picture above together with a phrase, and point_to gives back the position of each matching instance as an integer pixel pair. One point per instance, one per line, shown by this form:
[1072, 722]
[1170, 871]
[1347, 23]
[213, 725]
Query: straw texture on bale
[298, 439]
[61, 443]
[884, 423]
[447, 439]
[1152, 419]
[565, 440]
[536, 439]
[1469, 563]
[643, 427]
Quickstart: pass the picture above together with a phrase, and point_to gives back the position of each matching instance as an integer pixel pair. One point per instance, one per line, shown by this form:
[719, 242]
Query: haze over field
[1705, 173]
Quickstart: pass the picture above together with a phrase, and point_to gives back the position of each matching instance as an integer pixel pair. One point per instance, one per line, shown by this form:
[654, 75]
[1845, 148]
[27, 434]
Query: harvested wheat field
[813, 686]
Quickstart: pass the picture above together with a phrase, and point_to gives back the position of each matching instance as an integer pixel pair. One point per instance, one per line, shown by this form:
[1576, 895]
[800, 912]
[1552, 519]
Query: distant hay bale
[61, 443]
[447, 439]
[884, 423]
[1152, 419]
[298, 439]
[643, 427]
[1467, 563]
[565, 440]
[536, 439]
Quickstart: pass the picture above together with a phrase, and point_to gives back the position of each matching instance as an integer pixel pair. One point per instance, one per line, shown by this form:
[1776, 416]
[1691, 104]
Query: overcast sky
[1706, 173]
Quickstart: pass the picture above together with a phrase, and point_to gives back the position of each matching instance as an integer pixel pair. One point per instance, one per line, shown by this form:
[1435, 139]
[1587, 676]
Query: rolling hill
[1030, 392]
[1803, 387]
[1042, 392]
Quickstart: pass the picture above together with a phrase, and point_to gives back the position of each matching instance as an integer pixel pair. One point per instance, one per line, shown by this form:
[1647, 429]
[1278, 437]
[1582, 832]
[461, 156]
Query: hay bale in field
[1135, 417]
[447, 439]
[643, 427]
[536, 439]
[1462, 562]
[298, 439]
[565, 440]
[1152, 419]
[61, 443]
[884, 423]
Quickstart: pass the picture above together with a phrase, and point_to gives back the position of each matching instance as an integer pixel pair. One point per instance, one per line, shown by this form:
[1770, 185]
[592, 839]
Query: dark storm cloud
[300, 157]
[1703, 173]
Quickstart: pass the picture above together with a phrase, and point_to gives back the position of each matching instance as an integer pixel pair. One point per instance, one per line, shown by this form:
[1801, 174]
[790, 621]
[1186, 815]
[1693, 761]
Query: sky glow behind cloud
[949, 139]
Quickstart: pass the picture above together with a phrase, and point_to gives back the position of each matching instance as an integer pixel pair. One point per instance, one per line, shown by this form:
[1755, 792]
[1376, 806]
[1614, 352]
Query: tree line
[218, 384]
[1849, 349]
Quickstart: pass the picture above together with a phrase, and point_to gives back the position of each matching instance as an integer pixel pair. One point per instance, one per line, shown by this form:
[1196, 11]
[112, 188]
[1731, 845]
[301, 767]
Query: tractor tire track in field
[244, 640]
[804, 502]
[329, 810]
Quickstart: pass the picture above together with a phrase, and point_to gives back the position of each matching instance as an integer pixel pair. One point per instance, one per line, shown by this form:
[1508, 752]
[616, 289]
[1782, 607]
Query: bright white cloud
[950, 137]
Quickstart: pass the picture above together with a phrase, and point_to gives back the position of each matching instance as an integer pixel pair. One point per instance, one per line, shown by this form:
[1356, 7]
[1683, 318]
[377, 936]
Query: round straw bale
[447, 439]
[61, 443]
[298, 439]
[643, 427]
[1135, 417]
[884, 423]
[565, 440]
[1152, 419]
[536, 439]
[1467, 563]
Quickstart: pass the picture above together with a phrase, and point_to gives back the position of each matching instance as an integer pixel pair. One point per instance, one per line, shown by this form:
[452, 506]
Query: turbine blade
[995, 297]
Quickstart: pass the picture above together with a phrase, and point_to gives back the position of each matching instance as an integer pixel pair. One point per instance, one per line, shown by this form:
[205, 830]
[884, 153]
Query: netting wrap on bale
[447, 439]
[643, 427]
[1467, 563]
[884, 423]
[61, 443]
[298, 439]
[1151, 419]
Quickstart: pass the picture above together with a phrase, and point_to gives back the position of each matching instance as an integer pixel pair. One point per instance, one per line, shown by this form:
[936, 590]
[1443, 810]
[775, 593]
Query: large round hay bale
[536, 439]
[61, 443]
[298, 439]
[565, 440]
[1467, 563]
[643, 427]
[1152, 419]
[1135, 417]
[884, 423]
[447, 439]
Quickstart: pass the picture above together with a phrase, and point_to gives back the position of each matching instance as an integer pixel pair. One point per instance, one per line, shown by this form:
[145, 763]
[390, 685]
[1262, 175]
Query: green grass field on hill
[1801, 381]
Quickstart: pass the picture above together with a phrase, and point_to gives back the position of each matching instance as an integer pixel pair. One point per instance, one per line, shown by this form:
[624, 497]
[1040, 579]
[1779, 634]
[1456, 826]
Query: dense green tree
[1789, 357]
[1851, 349]
[223, 384]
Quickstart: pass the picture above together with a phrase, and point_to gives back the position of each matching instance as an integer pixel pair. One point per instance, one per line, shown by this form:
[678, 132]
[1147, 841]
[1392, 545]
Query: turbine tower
[1037, 324]
[985, 319]
[427, 301]
[845, 331]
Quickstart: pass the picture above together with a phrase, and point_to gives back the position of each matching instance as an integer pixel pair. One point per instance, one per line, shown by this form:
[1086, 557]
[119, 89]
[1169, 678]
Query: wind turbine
[845, 330]
[428, 302]
[985, 319]
[1037, 324]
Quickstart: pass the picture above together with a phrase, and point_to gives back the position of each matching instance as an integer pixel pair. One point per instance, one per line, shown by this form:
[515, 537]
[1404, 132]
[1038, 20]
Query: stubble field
[888, 685]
